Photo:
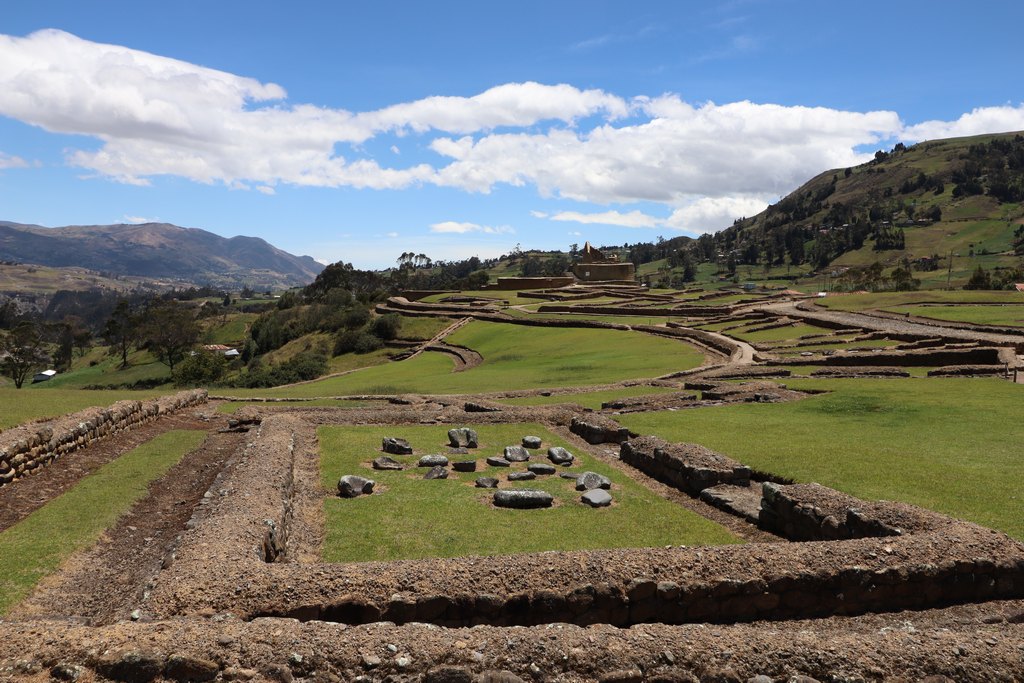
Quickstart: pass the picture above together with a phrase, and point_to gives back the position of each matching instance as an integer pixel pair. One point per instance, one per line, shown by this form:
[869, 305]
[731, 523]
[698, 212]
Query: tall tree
[21, 352]
[170, 331]
[121, 331]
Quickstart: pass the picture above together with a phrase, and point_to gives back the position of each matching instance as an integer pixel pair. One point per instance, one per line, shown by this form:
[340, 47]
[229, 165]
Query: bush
[202, 367]
[304, 366]
[386, 327]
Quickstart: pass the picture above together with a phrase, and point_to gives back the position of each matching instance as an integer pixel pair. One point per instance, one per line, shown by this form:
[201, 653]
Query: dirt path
[106, 582]
[22, 497]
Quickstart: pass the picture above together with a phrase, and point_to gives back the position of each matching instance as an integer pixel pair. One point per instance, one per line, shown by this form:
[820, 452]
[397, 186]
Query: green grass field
[515, 357]
[232, 407]
[886, 300]
[1009, 314]
[22, 405]
[98, 368]
[950, 445]
[37, 545]
[412, 518]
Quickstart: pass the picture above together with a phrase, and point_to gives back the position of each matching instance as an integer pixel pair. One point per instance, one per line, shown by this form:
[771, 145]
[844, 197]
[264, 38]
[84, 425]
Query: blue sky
[453, 129]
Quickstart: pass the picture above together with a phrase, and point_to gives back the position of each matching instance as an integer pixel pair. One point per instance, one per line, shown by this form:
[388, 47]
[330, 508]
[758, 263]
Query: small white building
[43, 376]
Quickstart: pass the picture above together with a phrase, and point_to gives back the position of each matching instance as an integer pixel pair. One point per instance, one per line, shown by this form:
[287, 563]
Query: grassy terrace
[413, 518]
[515, 357]
[21, 405]
[37, 545]
[884, 300]
[944, 444]
[1007, 314]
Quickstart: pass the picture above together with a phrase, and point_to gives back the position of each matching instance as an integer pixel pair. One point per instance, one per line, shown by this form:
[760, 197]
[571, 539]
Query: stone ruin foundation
[845, 590]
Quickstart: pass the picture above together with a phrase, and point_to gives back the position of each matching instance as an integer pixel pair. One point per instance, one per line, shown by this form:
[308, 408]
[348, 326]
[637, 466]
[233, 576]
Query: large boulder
[592, 480]
[386, 463]
[438, 472]
[597, 498]
[495, 461]
[486, 483]
[523, 499]
[541, 468]
[395, 446]
[516, 454]
[352, 485]
[464, 465]
[560, 456]
[531, 442]
[463, 437]
[433, 461]
[521, 476]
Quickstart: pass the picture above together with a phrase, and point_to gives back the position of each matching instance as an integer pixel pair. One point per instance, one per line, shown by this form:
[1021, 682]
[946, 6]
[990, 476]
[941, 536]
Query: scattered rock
[386, 463]
[439, 472]
[592, 480]
[433, 461]
[541, 468]
[131, 667]
[531, 442]
[521, 476]
[495, 461]
[395, 446]
[499, 677]
[516, 454]
[462, 437]
[560, 456]
[523, 499]
[622, 676]
[569, 475]
[66, 672]
[473, 407]
[487, 483]
[352, 485]
[597, 498]
[464, 466]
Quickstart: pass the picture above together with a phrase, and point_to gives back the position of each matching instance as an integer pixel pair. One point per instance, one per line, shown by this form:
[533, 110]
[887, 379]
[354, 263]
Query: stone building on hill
[596, 267]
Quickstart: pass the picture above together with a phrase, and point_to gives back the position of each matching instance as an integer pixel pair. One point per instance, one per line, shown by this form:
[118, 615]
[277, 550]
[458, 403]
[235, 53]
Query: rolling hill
[158, 251]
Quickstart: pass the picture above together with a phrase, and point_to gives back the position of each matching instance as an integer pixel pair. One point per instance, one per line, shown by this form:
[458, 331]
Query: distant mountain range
[158, 251]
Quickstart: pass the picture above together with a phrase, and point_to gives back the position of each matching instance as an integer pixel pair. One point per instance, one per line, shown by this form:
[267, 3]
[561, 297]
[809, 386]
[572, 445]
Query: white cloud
[10, 161]
[633, 219]
[266, 189]
[539, 214]
[463, 228]
[139, 219]
[706, 163]
[392, 235]
[978, 121]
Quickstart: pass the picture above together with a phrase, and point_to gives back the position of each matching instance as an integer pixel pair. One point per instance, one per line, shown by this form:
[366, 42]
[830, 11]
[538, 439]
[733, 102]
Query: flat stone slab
[438, 472]
[495, 461]
[597, 498]
[516, 454]
[386, 463]
[463, 437]
[486, 483]
[433, 461]
[464, 466]
[521, 476]
[560, 456]
[541, 468]
[742, 501]
[523, 499]
[531, 442]
[352, 485]
[395, 446]
[569, 475]
[592, 480]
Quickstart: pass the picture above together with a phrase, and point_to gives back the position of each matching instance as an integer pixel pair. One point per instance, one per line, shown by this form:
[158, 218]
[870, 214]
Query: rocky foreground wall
[26, 448]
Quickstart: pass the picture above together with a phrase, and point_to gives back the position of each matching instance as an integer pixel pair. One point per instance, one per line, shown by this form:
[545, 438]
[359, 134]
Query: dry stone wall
[26, 448]
[688, 467]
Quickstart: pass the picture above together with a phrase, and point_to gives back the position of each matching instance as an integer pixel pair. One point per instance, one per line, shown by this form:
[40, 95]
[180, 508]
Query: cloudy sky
[454, 128]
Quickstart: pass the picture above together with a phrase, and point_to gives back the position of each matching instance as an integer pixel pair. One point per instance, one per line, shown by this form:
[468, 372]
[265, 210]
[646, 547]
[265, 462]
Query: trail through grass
[37, 545]
[951, 445]
[412, 518]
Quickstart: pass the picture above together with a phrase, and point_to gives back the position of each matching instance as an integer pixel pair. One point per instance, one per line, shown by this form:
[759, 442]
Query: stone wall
[597, 429]
[811, 512]
[26, 448]
[688, 467]
[509, 283]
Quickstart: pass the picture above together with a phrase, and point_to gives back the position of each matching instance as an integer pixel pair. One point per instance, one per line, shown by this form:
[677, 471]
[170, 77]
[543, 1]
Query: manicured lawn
[231, 407]
[590, 399]
[37, 545]
[22, 405]
[885, 300]
[952, 445]
[775, 333]
[1010, 315]
[515, 357]
[412, 518]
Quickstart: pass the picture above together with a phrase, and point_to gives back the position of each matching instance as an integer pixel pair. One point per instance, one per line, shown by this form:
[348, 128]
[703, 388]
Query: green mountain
[959, 197]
